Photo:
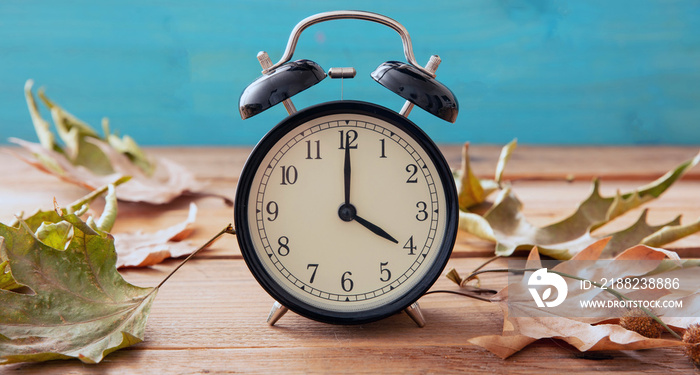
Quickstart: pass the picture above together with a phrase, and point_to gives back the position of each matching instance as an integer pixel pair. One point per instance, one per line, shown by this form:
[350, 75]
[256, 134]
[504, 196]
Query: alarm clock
[346, 212]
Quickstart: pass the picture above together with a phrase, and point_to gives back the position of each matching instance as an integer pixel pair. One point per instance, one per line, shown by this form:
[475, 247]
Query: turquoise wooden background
[544, 71]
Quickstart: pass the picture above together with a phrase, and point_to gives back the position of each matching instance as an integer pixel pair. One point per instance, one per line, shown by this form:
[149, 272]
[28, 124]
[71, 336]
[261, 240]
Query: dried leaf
[670, 233]
[470, 193]
[144, 249]
[471, 190]
[586, 334]
[79, 305]
[42, 128]
[71, 301]
[505, 224]
[127, 146]
[91, 161]
[506, 152]
[7, 282]
[170, 182]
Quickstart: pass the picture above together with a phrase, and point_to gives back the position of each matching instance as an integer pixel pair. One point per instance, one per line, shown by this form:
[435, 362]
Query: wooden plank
[550, 356]
[527, 161]
[580, 162]
[533, 168]
[210, 317]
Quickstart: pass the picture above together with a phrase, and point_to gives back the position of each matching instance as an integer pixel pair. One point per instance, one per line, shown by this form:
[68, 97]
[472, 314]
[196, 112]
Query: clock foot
[276, 313]
[414, 312]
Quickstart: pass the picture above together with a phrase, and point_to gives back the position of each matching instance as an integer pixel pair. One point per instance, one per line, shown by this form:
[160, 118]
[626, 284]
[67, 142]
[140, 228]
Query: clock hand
[375, 229]
[346, 173]
[347, 212]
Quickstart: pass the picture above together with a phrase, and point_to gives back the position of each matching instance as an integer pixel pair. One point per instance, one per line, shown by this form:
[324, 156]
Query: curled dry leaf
[144, 249]
[525, 323]
[505, 224]
[91, 161]
[474, 191]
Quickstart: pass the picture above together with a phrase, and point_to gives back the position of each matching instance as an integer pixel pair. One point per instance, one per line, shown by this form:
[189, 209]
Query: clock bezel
[242, 226]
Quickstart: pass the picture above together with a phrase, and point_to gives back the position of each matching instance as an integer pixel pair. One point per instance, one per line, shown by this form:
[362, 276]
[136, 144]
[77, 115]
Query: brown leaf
[89, 160]
[170, 181]
[525, 323]
[470, 192]
[144, 249]
[505, 224]
[503, 346]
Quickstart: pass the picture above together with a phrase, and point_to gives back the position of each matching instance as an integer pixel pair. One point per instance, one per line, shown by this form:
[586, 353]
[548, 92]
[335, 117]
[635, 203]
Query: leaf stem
[486, 263]
[75, 206]
[228, 229]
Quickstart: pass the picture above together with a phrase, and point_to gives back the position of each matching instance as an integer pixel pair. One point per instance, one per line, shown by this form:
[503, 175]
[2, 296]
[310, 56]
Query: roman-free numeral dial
[349, 214]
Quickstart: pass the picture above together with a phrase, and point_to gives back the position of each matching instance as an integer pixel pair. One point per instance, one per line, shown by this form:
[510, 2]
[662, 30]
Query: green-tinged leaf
[476, 225]
[633, 235]
[43, 131]
[473, 191]
[36, 220]
[127, 146]
[67, 121]
[109, 214]
[80, 203]
[42, 128]
[77, 136]
[624, 202]
[80, 307]
[89, 160]
[563, 239]
[7, 282]
[55, 235]
[671, 233]
[618, 241]
[71, 302]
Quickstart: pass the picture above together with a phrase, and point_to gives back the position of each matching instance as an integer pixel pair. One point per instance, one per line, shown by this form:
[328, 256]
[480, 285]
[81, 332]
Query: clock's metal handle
[349, 14]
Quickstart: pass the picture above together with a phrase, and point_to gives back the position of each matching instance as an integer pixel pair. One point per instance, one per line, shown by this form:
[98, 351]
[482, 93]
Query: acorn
[691, 338]
[638, 321]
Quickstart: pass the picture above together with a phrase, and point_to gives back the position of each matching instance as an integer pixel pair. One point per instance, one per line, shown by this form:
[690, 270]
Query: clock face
[346, 212]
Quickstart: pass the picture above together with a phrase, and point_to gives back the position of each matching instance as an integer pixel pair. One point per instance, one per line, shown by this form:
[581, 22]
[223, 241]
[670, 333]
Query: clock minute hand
[375, 229]
[346, 174]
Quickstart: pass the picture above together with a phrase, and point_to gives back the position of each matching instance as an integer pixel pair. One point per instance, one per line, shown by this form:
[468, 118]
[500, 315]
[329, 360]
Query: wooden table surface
[210, 316]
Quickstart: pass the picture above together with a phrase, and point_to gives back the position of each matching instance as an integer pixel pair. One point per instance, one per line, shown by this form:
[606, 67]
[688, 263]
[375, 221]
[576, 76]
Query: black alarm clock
[346, 212]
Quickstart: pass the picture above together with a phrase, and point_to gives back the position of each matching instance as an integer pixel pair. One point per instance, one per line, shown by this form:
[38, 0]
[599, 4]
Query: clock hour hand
[375, 229]
[347, 212]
